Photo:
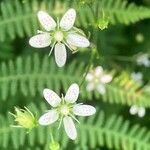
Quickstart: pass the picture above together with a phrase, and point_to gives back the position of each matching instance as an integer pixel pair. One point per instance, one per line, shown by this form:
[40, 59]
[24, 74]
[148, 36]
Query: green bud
[54, 145]
[25, 118]
[103, 23]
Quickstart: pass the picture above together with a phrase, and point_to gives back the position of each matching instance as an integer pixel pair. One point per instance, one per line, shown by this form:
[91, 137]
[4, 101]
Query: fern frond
[93, 132]
[30, 75]
[118, 11]
[123, 12]
[18, 19]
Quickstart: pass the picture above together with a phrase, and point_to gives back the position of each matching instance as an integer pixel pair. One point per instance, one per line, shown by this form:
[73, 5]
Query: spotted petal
[70, 127]
[40, 41]
[49, 117]
[68, 19]
[60, 54]
[77, 40]
[51, 97]
[72, 93]
[46, 21]
[84, 110]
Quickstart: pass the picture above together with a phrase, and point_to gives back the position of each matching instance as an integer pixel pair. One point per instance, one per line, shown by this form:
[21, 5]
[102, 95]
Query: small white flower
[138, 77]
[59, 34]
[143, 59]
[140, 111]
[65, 109]
[96, 79]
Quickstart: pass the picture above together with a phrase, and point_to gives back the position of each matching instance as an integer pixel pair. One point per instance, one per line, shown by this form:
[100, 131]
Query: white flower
[140, 111]
[59, 34]
[143, 59]
[96, 79]
[138, 77]
[65, 109]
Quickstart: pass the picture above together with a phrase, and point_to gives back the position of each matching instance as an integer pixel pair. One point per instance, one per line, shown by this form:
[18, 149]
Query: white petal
[77, 40]
[60, 54]
[106, 78]
[133, 110]
[51, 97]
[101, 89]
[40, 41]
[146, 63]
[89, 77]
[68, 19]
[84, 110]
[90, 86]
[49, 117]
[70, 127]
[141, 112]
[46, 21]
[137, 76]
[98, 71]
[72, 93]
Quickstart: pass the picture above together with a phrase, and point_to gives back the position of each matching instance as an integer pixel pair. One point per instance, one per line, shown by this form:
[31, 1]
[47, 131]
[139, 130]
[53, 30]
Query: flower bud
[25, 118]
[103, 23]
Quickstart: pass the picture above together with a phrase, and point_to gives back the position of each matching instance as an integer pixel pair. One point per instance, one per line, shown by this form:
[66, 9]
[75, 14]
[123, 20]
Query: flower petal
[70, 127]
[68, 19]
[77, 40]
[106, 78]
[51, 97]
[40, 41]
[60, 54]
[48, 118]
[141, 112]
[72, 93]
[98, 71]
[46, 21]
[133, 110]
[89, 77]
[90, 86]
[84, 110]
[101, 89]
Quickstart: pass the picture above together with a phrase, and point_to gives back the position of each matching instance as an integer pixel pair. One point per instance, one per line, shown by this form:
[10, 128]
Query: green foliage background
[26, 71]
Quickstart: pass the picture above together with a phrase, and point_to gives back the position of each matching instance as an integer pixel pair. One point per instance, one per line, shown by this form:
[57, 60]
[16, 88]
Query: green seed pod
[25, 118]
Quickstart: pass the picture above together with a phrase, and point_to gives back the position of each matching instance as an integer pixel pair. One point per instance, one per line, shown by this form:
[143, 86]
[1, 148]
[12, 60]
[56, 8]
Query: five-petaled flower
[65, 109]
[140, 111]
[96, 80]
[59, 34]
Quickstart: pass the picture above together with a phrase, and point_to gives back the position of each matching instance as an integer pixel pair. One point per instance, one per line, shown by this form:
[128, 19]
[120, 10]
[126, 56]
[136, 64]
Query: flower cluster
[96, 80]
[59, 34]
[140, 111]
[143, 59]
[65, 109]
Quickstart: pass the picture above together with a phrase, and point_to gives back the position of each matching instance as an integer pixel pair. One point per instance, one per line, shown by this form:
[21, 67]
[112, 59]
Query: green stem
[89, 66]
[51, 136]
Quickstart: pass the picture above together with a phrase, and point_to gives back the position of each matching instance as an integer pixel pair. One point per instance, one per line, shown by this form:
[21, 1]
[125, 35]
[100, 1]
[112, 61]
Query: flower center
[58, 36]
[64, 110]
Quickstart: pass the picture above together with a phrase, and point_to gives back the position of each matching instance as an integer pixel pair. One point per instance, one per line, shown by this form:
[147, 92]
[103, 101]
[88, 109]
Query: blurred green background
[26, 71]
